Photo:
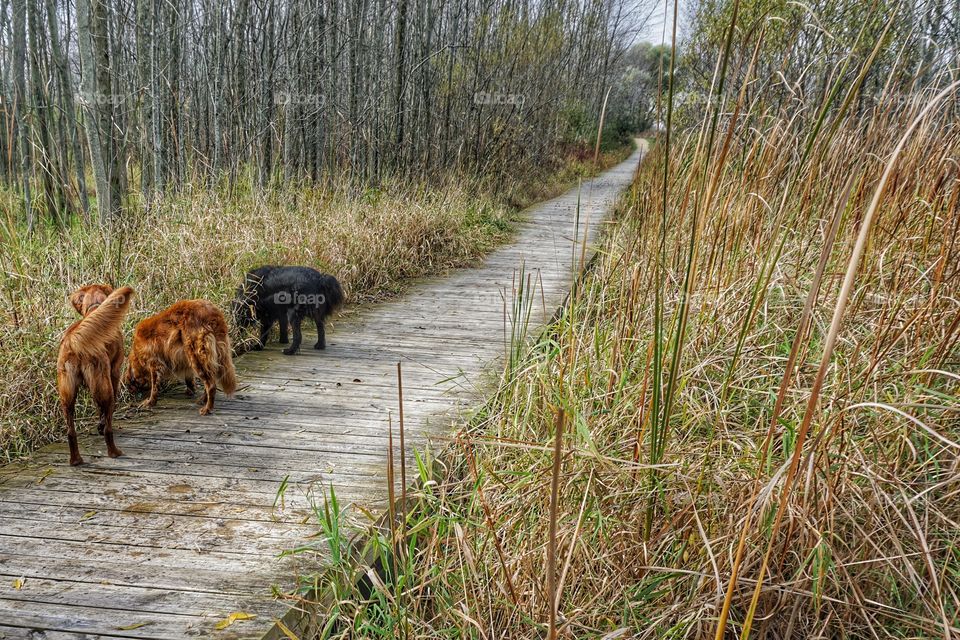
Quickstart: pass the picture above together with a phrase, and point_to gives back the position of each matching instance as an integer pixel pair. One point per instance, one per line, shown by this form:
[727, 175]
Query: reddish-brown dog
[188, 339]
[91, 353]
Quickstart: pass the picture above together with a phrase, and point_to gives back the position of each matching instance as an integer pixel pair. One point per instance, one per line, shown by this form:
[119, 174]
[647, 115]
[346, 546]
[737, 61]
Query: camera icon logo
[282, 297]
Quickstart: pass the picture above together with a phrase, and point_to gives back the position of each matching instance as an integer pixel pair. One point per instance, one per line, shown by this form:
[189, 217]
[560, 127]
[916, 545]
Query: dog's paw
[320, 346]
[289, 352]
[256, 347]
[146, 404]
[115, 453]
[205, 410]
[76, 462]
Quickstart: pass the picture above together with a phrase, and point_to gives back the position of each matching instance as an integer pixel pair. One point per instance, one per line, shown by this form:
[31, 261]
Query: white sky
[662, 15]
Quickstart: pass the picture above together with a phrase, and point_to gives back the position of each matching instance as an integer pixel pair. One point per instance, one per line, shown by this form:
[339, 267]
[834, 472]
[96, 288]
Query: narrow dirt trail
[186, 528]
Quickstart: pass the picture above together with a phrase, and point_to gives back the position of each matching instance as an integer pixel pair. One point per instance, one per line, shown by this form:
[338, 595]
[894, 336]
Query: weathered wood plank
[187, 527]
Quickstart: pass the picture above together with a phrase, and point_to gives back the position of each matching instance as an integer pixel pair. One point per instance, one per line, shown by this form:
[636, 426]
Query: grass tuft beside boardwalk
[704, 471]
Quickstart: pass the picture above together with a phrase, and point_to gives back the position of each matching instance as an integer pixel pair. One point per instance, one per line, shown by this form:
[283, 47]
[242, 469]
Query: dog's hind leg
[265, 326]
[284, 339]
[154, 387]
[295, 317]
[201, 354]
[189, 384]
[67, 383]
[209, 396]
[116, 368]
[321, 335]
[99, 379]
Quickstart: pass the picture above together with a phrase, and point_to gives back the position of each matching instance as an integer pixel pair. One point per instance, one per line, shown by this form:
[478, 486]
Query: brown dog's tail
[226, 374]
[98, 327]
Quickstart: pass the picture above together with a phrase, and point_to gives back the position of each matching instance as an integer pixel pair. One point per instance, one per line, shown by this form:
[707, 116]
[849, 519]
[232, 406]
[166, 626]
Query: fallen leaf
[236, 616]
[134, 626]
[43, 476]
[18, 583]
[87, 515]
[286, 630]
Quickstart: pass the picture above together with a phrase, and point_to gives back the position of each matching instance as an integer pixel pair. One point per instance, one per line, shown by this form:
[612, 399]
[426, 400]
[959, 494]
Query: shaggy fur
[288, 295]
[91, 354]
[188, 339]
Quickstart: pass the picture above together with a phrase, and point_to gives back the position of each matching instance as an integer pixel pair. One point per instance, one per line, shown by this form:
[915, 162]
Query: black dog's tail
[333, 294]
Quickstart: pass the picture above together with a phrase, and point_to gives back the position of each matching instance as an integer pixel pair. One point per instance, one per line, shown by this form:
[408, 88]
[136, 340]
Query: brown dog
[91, 353]
[187, 339]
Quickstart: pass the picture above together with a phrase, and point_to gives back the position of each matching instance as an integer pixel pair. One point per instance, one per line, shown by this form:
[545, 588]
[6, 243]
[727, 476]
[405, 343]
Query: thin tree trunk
[22, 129]
[99, 148]
[69, 106]
[144, 32]
[401, 78]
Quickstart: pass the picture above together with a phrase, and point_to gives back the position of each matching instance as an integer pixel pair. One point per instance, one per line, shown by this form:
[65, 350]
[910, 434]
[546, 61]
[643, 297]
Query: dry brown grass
[652, 503]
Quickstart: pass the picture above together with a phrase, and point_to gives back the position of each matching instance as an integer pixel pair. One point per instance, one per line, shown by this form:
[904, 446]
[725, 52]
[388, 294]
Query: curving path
[187, 527]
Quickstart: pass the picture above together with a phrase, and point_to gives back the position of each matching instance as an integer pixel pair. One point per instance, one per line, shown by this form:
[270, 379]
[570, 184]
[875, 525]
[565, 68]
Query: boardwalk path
[184, 529]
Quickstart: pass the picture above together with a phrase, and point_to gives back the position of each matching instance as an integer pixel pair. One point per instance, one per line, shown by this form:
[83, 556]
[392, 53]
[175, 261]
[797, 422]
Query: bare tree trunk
[47, 159]
[69, 106]
[22, 129]
[7, 142]
[401, 79]
[93, 102]
[144, 32]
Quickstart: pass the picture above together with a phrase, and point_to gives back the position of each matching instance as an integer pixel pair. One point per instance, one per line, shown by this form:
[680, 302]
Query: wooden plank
[27, 633]
[178, 487]
[187, 527]
[135, 463]
[94, 620]
[68, 523]
[139, 599]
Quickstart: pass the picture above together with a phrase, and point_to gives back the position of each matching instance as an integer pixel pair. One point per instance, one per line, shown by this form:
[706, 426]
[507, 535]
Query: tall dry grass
[780, 458]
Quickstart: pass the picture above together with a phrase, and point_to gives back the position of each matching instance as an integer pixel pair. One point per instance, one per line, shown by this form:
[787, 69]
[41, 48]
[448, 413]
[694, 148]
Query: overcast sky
[653, 31]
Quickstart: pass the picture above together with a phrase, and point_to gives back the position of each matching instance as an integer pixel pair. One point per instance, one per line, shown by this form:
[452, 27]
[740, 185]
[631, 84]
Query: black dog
[287, 294]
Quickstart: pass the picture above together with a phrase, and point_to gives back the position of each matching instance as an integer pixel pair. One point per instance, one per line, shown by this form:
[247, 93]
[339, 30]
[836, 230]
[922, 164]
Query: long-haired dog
[91, 354]
[185, 340]
[288, 295]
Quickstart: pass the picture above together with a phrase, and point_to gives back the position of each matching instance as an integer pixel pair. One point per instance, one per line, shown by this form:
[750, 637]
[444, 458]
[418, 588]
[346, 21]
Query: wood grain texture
[186, 527]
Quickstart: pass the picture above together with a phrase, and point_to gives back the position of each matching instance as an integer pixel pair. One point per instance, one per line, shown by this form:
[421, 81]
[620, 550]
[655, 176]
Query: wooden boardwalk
[186, 528]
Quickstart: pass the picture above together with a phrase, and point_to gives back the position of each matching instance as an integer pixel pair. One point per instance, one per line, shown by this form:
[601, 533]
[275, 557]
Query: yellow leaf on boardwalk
[18, 583]
[286, 630]
[129, 627]
[234, 617]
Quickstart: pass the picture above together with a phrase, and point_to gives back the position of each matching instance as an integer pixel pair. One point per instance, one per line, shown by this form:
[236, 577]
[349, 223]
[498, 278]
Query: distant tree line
[864, 49]
[104, 99]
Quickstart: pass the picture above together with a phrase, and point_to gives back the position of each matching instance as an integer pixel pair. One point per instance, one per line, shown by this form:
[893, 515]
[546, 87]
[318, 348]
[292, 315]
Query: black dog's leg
[321, 335]
[265, 325]
[283, 328]
[295, 317]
